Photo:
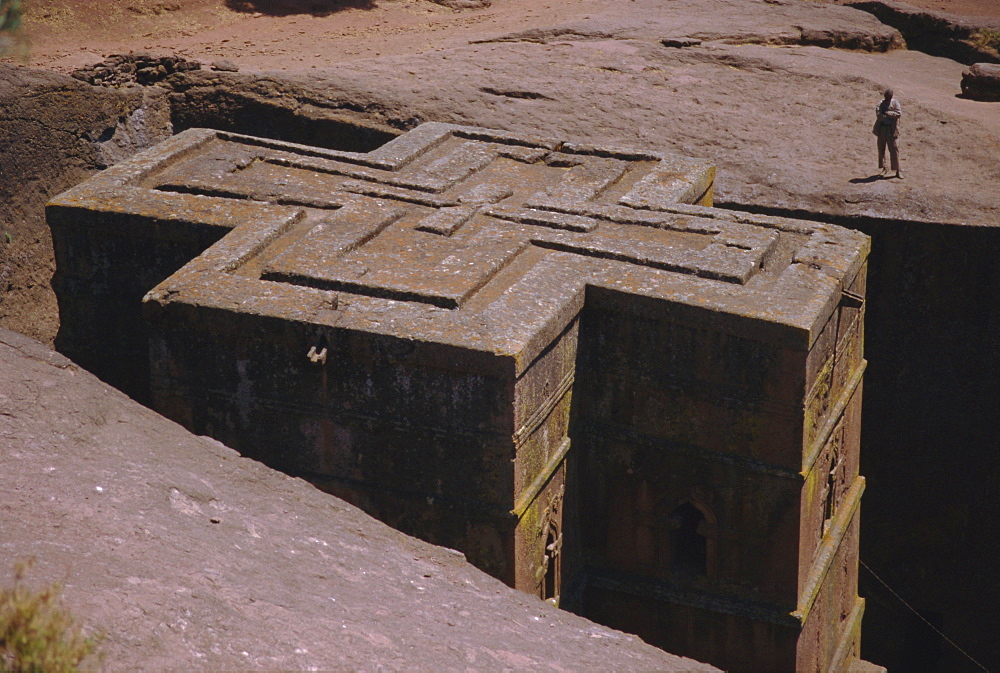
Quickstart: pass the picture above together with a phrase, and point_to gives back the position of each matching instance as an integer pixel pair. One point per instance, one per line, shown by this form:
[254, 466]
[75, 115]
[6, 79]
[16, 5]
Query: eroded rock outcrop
[936, 33]
[777, 22]
[134, 68]
[54, 132]
[982, 82]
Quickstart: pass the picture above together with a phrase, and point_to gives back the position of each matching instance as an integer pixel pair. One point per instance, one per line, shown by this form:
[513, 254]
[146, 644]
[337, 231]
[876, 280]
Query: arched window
[551, 565]
[688, 541]
[833, 485]
[657, 535]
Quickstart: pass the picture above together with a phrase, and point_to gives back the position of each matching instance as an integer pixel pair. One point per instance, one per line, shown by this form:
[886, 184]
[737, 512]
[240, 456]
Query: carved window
[688, 542]
[658, 536]
[834, 480]
[551, 565]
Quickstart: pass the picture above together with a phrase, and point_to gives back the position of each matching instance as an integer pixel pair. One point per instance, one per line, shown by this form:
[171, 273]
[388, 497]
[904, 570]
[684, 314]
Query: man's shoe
[899, 174]
[881, 170]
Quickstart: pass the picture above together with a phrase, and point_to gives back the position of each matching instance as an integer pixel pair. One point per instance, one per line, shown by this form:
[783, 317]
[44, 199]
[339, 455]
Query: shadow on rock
[870, 178]
[288, 7]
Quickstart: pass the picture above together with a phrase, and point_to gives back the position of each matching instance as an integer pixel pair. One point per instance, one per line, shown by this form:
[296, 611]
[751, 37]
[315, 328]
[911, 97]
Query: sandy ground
[297, 34]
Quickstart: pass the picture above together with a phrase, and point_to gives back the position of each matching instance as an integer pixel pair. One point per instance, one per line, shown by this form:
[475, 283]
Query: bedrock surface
[187, 556]
[788, 124]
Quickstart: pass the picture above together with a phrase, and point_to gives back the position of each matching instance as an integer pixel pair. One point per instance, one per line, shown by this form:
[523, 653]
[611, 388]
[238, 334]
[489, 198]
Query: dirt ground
[298, 34]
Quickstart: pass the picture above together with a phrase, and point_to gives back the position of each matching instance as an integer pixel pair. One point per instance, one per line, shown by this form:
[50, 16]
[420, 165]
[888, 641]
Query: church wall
[733, 642]
[247, 381]
[542, 410]
[693, 426]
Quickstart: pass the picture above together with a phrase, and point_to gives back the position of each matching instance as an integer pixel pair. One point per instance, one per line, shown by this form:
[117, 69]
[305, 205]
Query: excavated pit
[931, 325]
[935, 33]
[441, 331]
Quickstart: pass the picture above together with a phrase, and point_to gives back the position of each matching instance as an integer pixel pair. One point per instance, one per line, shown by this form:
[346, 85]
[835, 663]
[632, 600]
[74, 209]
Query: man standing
[886, 128]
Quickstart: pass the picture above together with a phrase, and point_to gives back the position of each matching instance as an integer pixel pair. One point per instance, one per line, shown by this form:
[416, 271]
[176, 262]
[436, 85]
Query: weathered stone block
[982, 82]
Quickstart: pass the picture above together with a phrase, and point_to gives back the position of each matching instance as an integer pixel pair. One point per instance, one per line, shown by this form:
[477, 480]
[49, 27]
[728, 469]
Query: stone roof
[470, 237]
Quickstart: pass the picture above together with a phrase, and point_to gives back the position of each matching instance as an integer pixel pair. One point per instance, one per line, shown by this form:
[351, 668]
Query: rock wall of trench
[55, 132]
[931, 445]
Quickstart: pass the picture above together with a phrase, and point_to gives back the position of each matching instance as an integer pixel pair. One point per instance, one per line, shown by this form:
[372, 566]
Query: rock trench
[936, 33]
[765, 160]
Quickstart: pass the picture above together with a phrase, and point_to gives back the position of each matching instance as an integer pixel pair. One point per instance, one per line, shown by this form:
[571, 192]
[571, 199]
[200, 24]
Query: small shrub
[36, 634]
[986, 39]
[10, 16]
[12, 37]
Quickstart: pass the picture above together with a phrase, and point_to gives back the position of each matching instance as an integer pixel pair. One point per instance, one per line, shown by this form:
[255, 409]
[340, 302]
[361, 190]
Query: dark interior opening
[688, 546]
[550, 588]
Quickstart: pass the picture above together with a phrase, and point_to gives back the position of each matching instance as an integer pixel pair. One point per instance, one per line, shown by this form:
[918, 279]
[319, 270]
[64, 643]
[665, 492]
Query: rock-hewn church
[556, 358]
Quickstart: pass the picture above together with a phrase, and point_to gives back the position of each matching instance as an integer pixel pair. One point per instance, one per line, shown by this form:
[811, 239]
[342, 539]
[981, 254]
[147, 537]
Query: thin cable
[936, 629]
